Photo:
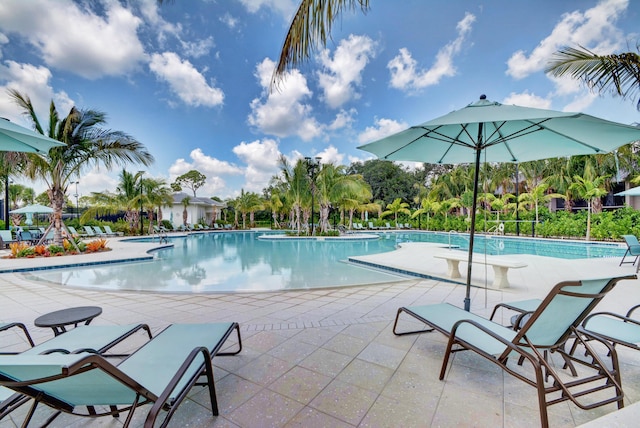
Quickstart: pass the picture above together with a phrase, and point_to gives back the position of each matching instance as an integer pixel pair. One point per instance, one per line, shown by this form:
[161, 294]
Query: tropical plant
[192, 180]
[311, 24]
[87, 144]
[616, 73]
[589, 190]
[395, 208]
[538, 196]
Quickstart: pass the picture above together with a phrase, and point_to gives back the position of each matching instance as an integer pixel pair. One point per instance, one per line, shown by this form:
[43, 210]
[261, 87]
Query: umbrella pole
[474, 205]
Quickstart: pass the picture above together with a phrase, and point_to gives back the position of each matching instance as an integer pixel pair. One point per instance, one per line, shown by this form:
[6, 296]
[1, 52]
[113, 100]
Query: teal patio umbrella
[501, 133]
[634, 191]
[15, 138]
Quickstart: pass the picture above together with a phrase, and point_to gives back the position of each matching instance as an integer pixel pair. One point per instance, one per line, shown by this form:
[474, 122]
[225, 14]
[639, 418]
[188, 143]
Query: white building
[199, 210]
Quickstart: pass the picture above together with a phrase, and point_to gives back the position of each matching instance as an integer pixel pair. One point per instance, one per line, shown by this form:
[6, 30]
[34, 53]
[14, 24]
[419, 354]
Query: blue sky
[190, 79]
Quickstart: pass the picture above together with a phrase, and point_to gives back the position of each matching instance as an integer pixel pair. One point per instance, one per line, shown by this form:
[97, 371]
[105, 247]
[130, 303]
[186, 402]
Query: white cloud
[284, 7]
[526, 99]
[197, 48]
[185, 81]
[594, 29]
[229, 20]
[283, 113]
[344, 71]
[72, 37]
[343, 119]
[382, 128]
[581, 102]
[34, 82]
[405, 75]
[214, 169]
[261, 158]
[331, 155]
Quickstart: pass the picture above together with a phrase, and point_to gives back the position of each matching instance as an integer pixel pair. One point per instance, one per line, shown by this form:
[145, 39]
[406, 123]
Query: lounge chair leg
[395, 324]
[237, 329]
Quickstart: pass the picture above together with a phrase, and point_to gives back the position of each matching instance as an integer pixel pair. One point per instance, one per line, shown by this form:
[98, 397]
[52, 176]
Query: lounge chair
[74, 232]
[7, 326]
[633, 249]
[5, 238]
[161, 372]
[89, 231]
[97, 339]
[99, 232]
[617, 329]
[109, 232]
[555, 320]
[371, 226]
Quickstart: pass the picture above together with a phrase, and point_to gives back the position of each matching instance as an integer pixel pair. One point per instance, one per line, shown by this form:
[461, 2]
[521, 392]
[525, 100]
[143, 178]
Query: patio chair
[99, 232]
[617, 329]
[161, 372]
[109, 232]
[371, 226]
[74, 232]
[5, 238]
[555, 320]
[633, 249]
[89, 231]
[98, 339]
[7, 326]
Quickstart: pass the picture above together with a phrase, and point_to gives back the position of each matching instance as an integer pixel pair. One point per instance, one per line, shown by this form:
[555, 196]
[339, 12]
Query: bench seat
[500, 265]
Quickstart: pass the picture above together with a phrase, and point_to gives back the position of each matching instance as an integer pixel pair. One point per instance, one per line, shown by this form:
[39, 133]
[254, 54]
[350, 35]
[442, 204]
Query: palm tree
[537, 196]
[156, 194]
[334, 185]
[311, 24]
[617, 73]
[296, 182]
[87, 145]
[427, 206]
[248, 203]
[590, 190]
[395, 207]
[185, 214]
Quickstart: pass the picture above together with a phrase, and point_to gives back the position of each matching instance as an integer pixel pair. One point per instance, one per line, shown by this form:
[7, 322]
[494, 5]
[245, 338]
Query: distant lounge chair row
[72, 373]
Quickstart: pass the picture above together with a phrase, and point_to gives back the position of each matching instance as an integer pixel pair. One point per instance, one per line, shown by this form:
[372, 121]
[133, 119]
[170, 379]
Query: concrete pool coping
[328, 358]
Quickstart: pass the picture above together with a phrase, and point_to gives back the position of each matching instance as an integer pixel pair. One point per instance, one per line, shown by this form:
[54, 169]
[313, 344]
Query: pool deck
[328, 357]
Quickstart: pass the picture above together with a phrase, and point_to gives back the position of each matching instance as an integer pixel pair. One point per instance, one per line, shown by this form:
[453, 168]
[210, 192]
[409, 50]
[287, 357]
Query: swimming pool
[240, 261]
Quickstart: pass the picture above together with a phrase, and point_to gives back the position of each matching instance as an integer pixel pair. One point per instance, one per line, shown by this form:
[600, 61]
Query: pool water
[239, 261]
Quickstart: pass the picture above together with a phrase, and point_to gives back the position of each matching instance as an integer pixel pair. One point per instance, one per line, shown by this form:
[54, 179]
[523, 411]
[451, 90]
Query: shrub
[56, 249]
[17, 247]
[96, 245]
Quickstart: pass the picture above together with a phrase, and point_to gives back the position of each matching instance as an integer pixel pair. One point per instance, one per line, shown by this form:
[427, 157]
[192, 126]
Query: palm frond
[619, 73]
[311, 26]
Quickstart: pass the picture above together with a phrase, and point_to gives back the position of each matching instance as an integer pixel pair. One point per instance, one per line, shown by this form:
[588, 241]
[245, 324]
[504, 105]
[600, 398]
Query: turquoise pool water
[239, 261]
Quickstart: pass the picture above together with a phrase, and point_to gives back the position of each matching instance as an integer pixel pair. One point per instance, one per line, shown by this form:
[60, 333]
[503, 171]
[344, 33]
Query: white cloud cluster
[383, 128]
[404, 73]
[261, 158]
[214, 169]
[344, 71]
[284, 112]
[73, 38]
[285, 7]
[594, 29]
[526, 99]
[34, 82]
[185, 81]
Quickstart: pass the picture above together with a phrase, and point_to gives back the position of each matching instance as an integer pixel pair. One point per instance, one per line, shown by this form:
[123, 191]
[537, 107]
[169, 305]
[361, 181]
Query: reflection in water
[218, 262]
[238, 261]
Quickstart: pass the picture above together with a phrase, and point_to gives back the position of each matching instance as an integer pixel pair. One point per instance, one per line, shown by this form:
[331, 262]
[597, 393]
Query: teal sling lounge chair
[90, 338]
[633, 249]
[617, 329]
[161, 372]
[555, 320]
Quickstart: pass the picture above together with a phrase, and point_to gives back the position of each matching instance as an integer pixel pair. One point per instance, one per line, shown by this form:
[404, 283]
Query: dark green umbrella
[501, 133]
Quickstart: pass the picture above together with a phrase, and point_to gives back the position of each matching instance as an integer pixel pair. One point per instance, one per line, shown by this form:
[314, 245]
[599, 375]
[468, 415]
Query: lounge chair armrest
[167, 393]
[630, 311]
[507, 343]
[612, 315]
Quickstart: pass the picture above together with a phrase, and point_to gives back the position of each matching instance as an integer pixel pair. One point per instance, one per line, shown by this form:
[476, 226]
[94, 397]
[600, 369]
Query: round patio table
[59, 320]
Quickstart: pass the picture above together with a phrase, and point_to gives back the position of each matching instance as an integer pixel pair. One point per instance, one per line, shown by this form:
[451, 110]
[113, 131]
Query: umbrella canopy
[15, 138]
[634, 191]
[501, 133]
[32, 209]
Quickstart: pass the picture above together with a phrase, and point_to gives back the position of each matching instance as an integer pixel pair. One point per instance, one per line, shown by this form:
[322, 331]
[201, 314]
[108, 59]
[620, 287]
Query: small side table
[59, 320]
